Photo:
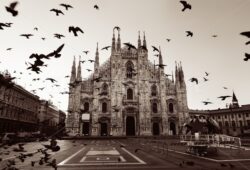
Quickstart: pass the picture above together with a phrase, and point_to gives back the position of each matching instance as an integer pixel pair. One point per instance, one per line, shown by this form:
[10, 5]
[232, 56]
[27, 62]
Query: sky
[221, 56]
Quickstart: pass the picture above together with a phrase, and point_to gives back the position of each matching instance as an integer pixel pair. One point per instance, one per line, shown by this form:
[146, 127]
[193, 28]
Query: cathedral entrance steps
[120, 137]
[93, 137]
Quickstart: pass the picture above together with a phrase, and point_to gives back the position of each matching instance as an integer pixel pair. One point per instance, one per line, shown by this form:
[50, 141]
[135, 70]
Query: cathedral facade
[127, 95]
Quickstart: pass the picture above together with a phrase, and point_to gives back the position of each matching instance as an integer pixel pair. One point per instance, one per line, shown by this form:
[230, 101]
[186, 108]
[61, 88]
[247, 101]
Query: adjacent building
[128, 95]
[48, 118]
[233, 120]
[62, 121]
[18, 108]
[22, 111]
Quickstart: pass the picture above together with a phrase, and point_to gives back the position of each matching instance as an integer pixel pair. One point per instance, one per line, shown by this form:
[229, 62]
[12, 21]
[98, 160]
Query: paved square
[101, 155]
[104, 155]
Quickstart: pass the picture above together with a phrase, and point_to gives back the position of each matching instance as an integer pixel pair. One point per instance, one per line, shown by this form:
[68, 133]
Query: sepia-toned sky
[222, 56]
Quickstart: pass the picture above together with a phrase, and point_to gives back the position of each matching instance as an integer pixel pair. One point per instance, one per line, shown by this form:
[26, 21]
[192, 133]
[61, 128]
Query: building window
[86, 107]
[232, 116]
[104, 107]
[104, 89]
[218, 117]
[130, 94]
[248, 123]
[239, 115]
[130, 69]
[153, 90]
[171, 107]
[226, 124]
[234, 125]
[225, 116]
[154, 108]
[247, 115]
[220, 124]
[241, 124]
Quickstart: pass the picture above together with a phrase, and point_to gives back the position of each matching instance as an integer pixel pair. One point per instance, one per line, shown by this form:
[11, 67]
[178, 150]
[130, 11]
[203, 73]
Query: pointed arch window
[153, 90]
[154, 108]
[104, 107]
[105, 89]
[171, 107]
[130, 94]
[86, 107]
[130, 69]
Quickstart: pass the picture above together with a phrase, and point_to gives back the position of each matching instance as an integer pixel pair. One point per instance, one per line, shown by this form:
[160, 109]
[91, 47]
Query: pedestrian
[53, 143]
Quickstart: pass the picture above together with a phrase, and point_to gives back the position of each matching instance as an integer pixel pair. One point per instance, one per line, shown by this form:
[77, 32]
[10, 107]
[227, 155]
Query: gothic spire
[160, 57]
[73, 71]
[118, 41]
[176, 73]
[113, 42]
[144, 40]
[182, 75]
[235, 100]
[96, 66]
[172, 76]
[154, 67]
[139, 40]
[79, 72]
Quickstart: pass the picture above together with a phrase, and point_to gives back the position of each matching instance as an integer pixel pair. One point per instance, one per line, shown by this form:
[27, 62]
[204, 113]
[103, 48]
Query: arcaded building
[127, 95]
[18, 108]
[234, 120]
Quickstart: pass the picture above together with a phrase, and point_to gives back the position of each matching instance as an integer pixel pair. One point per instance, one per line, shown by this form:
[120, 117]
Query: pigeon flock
[35, 66]
[61, 10]
[37, 61]
[37, 157]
